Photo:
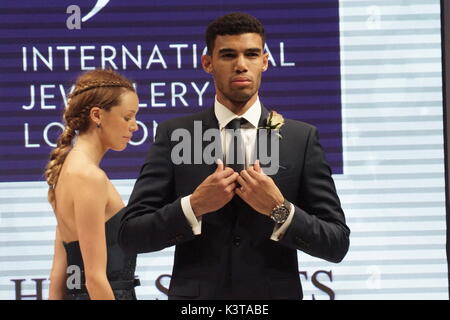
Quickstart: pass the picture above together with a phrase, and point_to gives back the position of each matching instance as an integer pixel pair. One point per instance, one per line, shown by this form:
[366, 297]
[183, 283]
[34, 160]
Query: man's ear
[265, 61]
[206, 63]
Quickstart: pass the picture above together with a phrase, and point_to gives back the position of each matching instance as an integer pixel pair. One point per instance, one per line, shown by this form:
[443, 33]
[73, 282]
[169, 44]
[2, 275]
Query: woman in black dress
[88, 263]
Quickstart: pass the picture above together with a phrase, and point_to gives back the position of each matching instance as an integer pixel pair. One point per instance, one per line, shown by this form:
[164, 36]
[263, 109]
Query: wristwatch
[280, 213]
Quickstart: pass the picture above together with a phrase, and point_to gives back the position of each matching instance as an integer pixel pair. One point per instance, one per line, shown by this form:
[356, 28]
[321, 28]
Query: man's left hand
[258, 190]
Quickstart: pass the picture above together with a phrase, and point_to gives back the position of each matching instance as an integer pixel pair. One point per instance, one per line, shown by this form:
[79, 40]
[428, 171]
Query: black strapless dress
[120, 266]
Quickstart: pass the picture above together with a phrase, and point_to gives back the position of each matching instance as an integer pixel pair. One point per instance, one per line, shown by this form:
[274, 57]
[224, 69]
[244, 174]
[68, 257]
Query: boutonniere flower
[274, 121]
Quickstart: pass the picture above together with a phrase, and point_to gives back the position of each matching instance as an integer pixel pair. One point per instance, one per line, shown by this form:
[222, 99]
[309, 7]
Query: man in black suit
[237, 230]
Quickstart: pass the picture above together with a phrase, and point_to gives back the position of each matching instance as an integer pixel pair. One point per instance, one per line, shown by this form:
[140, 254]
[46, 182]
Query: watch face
[279, 215]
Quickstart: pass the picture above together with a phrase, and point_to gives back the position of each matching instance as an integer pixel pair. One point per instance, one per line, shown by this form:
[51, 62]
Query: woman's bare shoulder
[79, 172]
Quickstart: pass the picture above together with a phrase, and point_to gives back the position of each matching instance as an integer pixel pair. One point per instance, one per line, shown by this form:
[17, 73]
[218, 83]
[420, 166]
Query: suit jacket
[234, 257]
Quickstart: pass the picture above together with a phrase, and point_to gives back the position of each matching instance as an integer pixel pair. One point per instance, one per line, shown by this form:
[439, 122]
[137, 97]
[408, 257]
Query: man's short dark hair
[233, 24]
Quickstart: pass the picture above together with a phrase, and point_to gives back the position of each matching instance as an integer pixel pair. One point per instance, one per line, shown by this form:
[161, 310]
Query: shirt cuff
[194, 222]
[279, 230]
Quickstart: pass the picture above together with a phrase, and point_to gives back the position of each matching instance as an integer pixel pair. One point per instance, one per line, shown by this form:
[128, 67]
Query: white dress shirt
[249, 134]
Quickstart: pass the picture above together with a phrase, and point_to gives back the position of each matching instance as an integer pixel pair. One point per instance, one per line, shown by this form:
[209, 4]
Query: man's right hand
[215, 191]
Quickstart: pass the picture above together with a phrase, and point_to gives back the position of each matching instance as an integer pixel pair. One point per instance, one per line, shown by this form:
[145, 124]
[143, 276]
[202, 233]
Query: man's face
[236, 64]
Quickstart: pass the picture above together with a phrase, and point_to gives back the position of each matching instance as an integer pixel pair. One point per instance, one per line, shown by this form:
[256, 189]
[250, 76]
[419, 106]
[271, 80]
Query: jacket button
[237, 241]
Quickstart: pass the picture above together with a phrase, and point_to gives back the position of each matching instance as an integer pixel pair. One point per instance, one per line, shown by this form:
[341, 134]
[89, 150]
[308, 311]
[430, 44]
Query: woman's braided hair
[96, 88]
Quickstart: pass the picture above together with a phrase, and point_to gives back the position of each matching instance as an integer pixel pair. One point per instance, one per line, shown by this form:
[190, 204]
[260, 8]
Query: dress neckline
[77, 241]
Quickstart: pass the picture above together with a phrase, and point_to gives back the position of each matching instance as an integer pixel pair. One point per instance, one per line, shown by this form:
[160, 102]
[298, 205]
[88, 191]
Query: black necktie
[236, 158]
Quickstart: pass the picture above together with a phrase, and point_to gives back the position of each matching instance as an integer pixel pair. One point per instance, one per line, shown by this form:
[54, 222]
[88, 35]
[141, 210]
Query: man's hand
[258, 190]
[215, 191]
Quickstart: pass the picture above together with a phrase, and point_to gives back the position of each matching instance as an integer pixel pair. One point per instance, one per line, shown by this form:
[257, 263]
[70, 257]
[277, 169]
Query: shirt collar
[224, 115]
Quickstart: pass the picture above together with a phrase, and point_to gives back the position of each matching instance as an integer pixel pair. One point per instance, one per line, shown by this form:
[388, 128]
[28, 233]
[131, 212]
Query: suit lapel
[283, 153]
[209, 121]
[264, 114]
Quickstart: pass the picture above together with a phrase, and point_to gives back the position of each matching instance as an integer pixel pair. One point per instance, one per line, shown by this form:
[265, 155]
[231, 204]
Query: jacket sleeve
[153, 218]
[318, 227]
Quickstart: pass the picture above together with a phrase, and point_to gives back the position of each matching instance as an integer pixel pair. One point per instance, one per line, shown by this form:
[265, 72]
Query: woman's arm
[90, 199]
[58, 275]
